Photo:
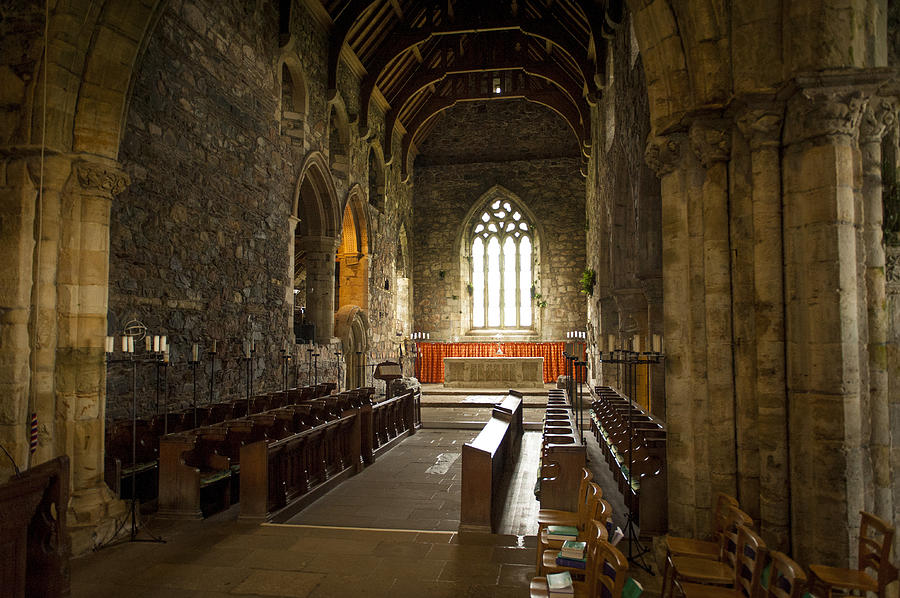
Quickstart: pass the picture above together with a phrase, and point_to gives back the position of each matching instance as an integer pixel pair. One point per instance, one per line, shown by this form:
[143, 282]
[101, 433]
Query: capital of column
[711, 141]
[664, 152]
[102, 177]
[880, 113]
[828, 105]
[319, 244]
[760, 122]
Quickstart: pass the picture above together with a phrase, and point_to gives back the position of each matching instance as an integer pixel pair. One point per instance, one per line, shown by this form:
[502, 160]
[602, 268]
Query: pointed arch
[352, 326]
[315, 199]
[338, 138]
[377, 189]
[352, 259]
[499, 247]
[294, 103]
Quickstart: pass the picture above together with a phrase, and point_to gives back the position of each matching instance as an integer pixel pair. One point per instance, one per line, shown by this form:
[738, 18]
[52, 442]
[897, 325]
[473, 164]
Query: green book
[632, 588]
[559, 582]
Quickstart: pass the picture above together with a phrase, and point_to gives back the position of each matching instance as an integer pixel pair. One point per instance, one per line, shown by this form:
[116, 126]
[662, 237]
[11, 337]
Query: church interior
[372, 235]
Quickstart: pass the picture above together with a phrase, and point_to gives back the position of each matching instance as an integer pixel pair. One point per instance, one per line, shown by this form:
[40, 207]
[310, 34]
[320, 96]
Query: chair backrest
[786, 577]
[591, 507]
[720, 512]
[583, 488]
[608, 569]
[729, 540]
[875, 538]
[749, 561]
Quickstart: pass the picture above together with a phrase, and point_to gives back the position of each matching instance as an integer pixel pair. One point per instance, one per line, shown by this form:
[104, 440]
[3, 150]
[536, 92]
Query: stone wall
[201, 242]
[448, 183]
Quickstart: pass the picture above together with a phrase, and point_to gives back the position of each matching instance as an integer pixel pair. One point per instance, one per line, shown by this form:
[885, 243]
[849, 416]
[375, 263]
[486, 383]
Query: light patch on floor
[442, 463]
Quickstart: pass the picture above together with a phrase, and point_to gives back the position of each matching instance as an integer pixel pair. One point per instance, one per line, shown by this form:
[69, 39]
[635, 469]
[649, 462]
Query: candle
[612, 342]
[124, 344]
[110, 344]
[657, 344]
[636, 343]
[148, 343]
[163, 344]
[166, 355]
[131, 344]
[247, 349]
[213, 347]
[156, 344]
[195, 352]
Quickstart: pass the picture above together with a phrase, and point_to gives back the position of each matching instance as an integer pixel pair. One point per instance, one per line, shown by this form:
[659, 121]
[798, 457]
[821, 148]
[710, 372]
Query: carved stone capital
[824, 112]
[664, 153]
[892, 269]
[880, 113]
[101, 178]
[761, 125]
[711, 141]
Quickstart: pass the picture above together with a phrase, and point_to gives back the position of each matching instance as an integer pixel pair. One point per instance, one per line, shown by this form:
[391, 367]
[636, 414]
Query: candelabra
[629, 360]
[212, 373]
[194, 362]
[285, 358]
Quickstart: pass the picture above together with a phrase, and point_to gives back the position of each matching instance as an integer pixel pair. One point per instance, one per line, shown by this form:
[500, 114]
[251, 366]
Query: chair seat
[693, 569]
[698, 590]
[845, 578]
[538, 588]
[692, 547]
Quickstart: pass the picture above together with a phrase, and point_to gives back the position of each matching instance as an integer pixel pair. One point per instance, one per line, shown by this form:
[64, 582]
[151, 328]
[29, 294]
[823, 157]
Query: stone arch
[402, 286]
[315, 199]
[294, 103]
[377, 189]
[352, 326]
[338, 138]
[352, 259]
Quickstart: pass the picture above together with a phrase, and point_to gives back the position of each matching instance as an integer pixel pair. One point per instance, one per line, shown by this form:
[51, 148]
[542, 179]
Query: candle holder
[193, 362]
[212, 373]
[285, 359]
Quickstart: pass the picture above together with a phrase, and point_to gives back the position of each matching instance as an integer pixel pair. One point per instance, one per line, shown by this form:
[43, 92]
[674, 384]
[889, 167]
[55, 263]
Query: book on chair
[571, 563]
[560, 585]
[572, 549]
[562, 532]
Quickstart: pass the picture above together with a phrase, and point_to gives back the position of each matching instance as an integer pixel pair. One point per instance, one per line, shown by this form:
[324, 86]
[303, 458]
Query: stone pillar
[17, 210]
[320, 252]
[667, 156]
[289, 288]
[880, 114]
[762, 433]
[82, 285]
[821, 313]
[711, 142]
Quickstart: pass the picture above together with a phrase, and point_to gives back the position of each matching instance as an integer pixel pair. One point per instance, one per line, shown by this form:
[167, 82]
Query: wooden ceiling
[424, 56]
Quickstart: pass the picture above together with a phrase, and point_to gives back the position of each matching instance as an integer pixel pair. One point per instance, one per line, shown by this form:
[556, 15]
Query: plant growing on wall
[537, 297]
[588, 278]
[469, 288]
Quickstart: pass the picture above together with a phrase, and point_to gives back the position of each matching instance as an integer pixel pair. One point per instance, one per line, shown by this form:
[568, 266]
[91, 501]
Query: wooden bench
[562, 456]
[35, 548]
[634, 446]
[484, 461]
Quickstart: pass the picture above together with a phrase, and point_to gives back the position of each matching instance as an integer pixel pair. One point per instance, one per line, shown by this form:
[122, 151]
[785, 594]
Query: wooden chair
[693, 569]
[596, 532]
[875, 538]
[591, 509]
[606, 572]
[786, 579]
[599, 512]
[556, 517]
[750, 558]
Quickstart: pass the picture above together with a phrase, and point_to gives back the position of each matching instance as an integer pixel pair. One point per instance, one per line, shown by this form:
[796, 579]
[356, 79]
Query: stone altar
[494, 372]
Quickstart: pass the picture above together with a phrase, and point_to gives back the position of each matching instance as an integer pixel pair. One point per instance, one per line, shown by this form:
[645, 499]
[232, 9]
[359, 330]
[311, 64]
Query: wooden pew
[484, 460]
[35, 549]
[562, 456]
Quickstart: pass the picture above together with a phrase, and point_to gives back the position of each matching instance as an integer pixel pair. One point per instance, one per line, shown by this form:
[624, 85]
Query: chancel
[269, 266]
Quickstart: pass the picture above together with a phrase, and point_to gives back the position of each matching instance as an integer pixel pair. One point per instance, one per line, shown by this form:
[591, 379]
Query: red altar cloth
[431, 357]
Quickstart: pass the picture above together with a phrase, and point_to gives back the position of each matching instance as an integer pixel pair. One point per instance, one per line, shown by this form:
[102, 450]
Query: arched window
[502, 249]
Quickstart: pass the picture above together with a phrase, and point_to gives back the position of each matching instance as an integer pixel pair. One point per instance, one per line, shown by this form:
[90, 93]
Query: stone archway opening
[352, 326]
[352, 258]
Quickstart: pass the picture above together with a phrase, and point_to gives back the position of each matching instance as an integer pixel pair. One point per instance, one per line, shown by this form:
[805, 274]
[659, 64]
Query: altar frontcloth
[430, 356]
[494, 372]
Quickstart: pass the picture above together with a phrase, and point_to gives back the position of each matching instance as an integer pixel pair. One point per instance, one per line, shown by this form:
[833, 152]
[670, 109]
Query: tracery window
[502, 257]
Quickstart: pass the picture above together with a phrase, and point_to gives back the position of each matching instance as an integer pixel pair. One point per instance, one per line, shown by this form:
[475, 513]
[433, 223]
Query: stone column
[289, 288]
[82, 286]
[763, 479]
[711, 142]
[821, 312]
[17, 210]
[880, 114]
[320, 253]
[673, 165]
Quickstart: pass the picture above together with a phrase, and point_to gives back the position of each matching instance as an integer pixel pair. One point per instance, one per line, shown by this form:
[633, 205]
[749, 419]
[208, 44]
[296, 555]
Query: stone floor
[389, 530]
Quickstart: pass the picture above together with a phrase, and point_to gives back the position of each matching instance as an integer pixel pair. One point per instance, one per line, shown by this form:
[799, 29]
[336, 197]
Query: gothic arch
[315, 199]
[294, 101]
[352, 259]
[376, 166]
[352, 326]
[338, 138]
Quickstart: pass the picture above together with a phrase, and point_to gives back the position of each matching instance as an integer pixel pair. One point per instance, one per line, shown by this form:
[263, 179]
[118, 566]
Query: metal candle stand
[629, 360]
[338, 369]
[285, 358]
[132, 537]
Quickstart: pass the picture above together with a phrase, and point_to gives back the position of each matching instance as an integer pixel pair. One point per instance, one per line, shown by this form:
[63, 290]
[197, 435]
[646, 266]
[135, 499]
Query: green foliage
[588, 278]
